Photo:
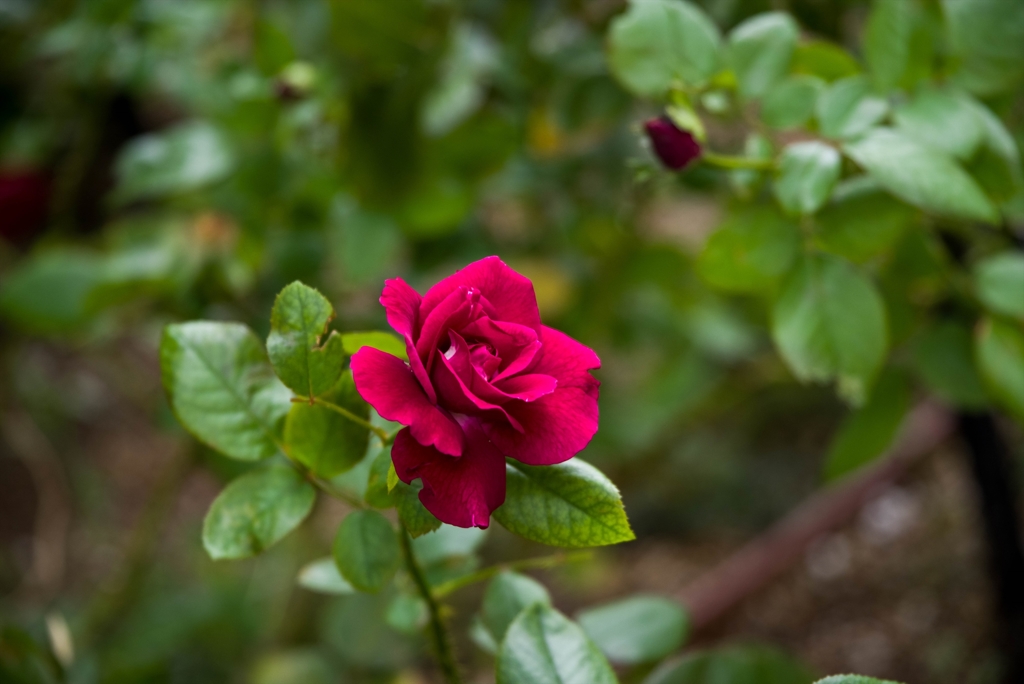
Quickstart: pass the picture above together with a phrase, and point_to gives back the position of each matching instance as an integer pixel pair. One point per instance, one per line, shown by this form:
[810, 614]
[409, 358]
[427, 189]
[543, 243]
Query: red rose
[485, 380]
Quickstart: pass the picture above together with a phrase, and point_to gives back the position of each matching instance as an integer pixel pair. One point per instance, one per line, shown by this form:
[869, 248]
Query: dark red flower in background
[485, 380]
[675, 147]
[24, 203]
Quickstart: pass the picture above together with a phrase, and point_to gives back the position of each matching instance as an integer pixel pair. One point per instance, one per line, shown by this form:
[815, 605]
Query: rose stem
[384, 437]
[554, 560]
[728, 162]
[438, 633]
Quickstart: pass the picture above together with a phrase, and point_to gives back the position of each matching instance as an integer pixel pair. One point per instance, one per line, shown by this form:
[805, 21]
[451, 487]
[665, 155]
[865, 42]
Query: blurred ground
[898, 593]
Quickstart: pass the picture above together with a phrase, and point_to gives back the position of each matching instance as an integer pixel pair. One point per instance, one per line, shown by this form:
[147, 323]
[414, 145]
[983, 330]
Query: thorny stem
[439, 635]
[542, 562]
[729, 162]
[384, 437]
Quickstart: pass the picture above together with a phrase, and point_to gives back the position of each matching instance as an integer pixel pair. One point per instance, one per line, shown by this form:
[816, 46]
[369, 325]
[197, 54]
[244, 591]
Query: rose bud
[295, 82]
[675, 147]
[485, 381]
[24, 200]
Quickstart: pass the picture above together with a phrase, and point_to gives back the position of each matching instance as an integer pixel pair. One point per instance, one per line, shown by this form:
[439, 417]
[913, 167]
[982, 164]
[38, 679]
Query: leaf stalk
[726, 161]
[384, 437]
[539, 563]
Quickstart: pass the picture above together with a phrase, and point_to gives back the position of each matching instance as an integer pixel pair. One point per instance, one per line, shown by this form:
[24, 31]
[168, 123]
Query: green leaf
[999, 350]
[322, 576]
[416, 519]
[447, 543]
[869, 431]
[853, 679]
[924, 177]
[887, 41]
[222, 389]
[472, 56]
[542, 646]
[760, 51]
[366, 246]
[733, 665]
[639, 629]
[791, 103]
[572, 505]
[392, 478]
[272, 48]
[480, 636]
[996, 166]
[355, 481]
[829, 322]
[825, 60]
[436, 207]
[986, 35]
[999, 140]
[999, 281]
[49, 293]
[751, 250]
[685, 117]
[255, 511]
[377, 494]
[943, 357]
[657, 42]
[176, 160]
[407, 614]
[807, 173]
[847, 108]
[366, 550]
[942, 119]
[322, 439]
[385, 341]
[863, 224]
[508, 595]
[25, 661]
[297, 323]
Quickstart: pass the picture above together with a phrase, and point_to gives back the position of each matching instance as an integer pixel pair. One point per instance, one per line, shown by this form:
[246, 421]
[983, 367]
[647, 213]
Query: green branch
[540, 563]
[439, 635]
[725, 161]
[329, 489]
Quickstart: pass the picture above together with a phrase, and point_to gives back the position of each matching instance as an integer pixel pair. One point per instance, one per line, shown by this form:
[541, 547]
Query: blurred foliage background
[164, 160]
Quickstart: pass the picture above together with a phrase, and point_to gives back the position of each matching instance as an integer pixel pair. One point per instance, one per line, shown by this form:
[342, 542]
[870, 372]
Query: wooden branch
[752, 567]
[53, 514]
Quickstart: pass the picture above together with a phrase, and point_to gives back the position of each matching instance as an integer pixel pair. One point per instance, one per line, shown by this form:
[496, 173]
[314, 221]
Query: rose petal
[387, 384]
[455, 379]
[456, 311]
[483, 359]
[675, 147]
[568, 361]
[459, 491]
[555, 427]
[528, 387]
[416, 364]
[509, 293]
[402, 304]
[516, 345]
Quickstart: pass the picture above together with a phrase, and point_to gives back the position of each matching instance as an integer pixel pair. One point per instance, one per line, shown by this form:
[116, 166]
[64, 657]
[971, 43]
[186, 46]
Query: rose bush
[485, 380]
